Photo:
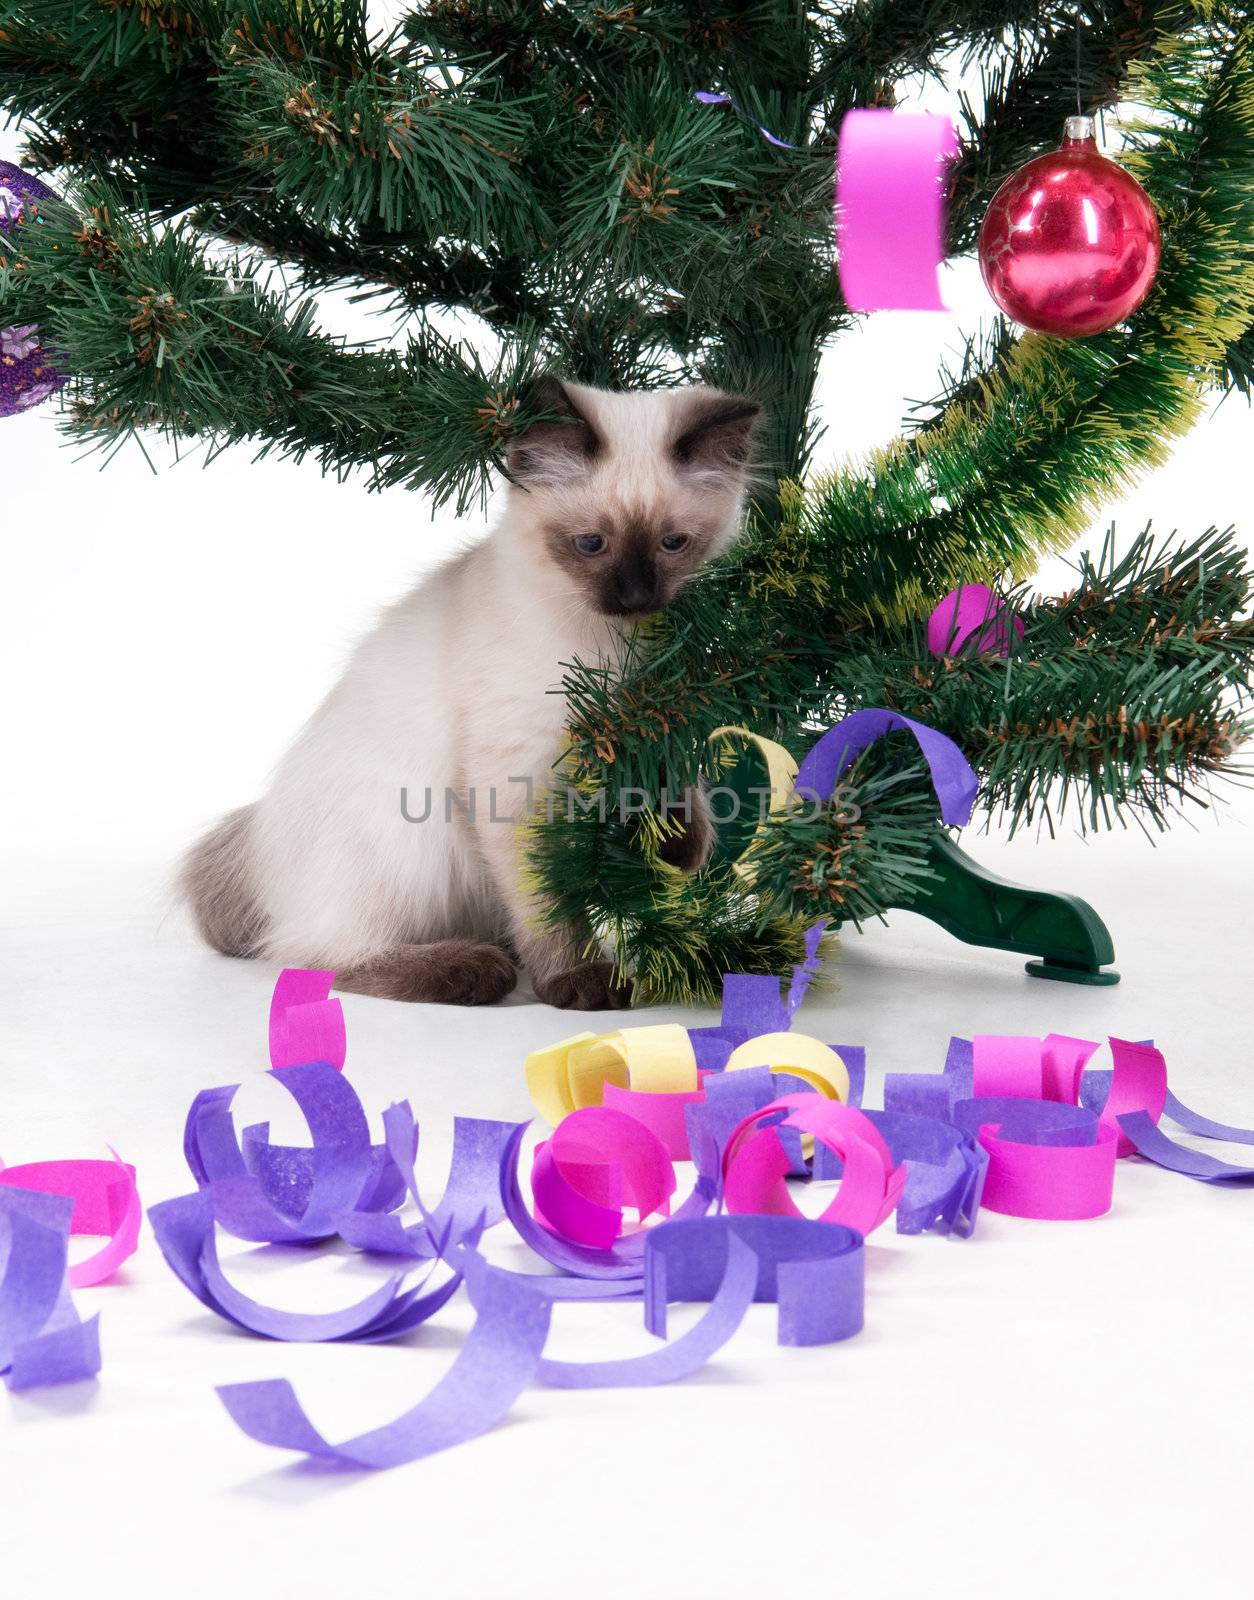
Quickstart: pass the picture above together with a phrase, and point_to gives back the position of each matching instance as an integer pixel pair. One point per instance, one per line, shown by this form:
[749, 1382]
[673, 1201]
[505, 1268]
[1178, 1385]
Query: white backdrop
[1069, 1400]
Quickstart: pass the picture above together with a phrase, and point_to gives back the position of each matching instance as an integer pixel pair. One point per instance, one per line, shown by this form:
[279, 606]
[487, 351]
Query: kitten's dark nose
[636, 586]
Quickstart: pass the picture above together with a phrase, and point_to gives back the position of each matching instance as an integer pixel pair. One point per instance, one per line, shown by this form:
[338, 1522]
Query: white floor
[1048, 1407]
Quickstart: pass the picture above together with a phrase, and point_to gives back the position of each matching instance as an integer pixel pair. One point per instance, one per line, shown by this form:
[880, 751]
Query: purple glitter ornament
[27, 373]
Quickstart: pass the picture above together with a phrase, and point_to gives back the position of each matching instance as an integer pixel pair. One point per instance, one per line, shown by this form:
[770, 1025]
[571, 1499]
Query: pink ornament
[971, 616]
[1070, 245]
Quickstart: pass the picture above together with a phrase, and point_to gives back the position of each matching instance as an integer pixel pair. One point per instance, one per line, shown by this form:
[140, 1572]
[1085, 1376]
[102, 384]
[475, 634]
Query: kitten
[608, 514]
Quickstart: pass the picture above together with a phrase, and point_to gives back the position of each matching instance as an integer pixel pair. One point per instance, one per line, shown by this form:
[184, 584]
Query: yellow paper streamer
[797, 1053]
[781, 771]
[548, 1078]
[657, 1059]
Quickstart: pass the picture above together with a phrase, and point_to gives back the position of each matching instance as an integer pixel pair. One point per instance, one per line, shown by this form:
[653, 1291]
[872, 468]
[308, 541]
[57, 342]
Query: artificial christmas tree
[572, 175]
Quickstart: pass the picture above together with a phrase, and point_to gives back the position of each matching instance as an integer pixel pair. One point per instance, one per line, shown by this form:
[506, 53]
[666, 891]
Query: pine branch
[163, 338]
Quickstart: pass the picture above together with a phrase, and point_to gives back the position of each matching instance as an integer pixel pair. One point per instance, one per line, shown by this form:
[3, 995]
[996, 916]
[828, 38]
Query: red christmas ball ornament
[1070, 244]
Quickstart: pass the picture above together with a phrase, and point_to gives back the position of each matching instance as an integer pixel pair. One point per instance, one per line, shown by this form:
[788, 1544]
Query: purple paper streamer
[752, 1004]
[1152, 1142]
[495, 1364]
[815, 1271]
[953, 777]
[184, 1230]
[708, 98]
[945, 1169]
[1194, 1122]
[1026, 1121]
[678, 1359]
[933, 1094]
[306, 1201]
[803, 974]
[42, 1340]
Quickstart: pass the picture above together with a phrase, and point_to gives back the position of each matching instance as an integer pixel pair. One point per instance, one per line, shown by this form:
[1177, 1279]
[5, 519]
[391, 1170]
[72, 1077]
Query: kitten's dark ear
[555, 450]
[714, 432]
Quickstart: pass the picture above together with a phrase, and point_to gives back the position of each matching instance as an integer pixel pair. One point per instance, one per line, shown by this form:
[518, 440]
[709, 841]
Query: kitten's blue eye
[674, 541]
[589, 544]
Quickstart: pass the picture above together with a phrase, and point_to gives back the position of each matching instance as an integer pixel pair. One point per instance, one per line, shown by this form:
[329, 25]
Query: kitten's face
[634, 493]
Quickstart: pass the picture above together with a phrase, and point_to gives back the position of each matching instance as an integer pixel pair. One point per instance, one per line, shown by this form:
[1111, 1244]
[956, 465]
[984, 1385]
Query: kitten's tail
[216, 880]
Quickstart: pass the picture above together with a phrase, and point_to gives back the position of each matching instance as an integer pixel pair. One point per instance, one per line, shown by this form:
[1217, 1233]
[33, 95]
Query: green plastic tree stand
[1070, 941]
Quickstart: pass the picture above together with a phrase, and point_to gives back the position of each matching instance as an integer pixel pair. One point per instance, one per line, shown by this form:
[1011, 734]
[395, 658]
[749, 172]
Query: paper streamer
[1046, 1160]
[814, 1271]
[185, 1234]
[105, 1202]
[755, 1163]
[1138, 1128]
[574, 1074]
[493, 1367]
[472, 1195]
[816, 1064]
[945, 1172]
[596, 1162]
[890, 168]
[302, 1203]
[42, 1339]
[305, 1023]
[953, 777]
[972, 615]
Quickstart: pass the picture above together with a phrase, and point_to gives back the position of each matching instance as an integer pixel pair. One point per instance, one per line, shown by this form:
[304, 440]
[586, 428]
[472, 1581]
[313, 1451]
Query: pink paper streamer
[755, 1163]
[973, 614]
[662, 1114]
[1007, 1064]
[106, 1202]
[1058, 1183]
[597, 1161]
[305, 1023]
[889, 208]
[1139, 1083]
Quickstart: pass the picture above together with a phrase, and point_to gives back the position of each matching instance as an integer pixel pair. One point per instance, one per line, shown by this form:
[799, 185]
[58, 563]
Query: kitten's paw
[453, 972]
[588, 987]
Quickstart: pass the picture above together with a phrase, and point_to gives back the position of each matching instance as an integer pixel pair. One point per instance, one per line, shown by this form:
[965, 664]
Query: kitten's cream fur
[453, 690]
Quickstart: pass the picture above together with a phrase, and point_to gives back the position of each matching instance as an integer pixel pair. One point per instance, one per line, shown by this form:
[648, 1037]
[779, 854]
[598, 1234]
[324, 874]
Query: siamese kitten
[608, 514]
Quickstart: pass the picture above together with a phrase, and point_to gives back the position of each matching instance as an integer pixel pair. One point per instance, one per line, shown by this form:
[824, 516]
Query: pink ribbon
[305, 1023]
[106, 1202]
[890, 174]
[661, 1114]
[597, 1161]
[755, 1163]
[1053, 1182]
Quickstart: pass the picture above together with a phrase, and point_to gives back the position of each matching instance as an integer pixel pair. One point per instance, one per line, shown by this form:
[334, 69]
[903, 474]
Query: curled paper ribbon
[1046, 1160]
[945, 1171]
[493, 1367]
[814, 1271]
[953, 777]
[621, 1260]
[286, 1200]
[755, 1163]
[972, 615]
[798, 1055]
[42, 1339]
[596, 1162]
[185, 1234]
[472, 1195]
[573, 1074]
[890, 175]
[105, 1202]
[305, 1023]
